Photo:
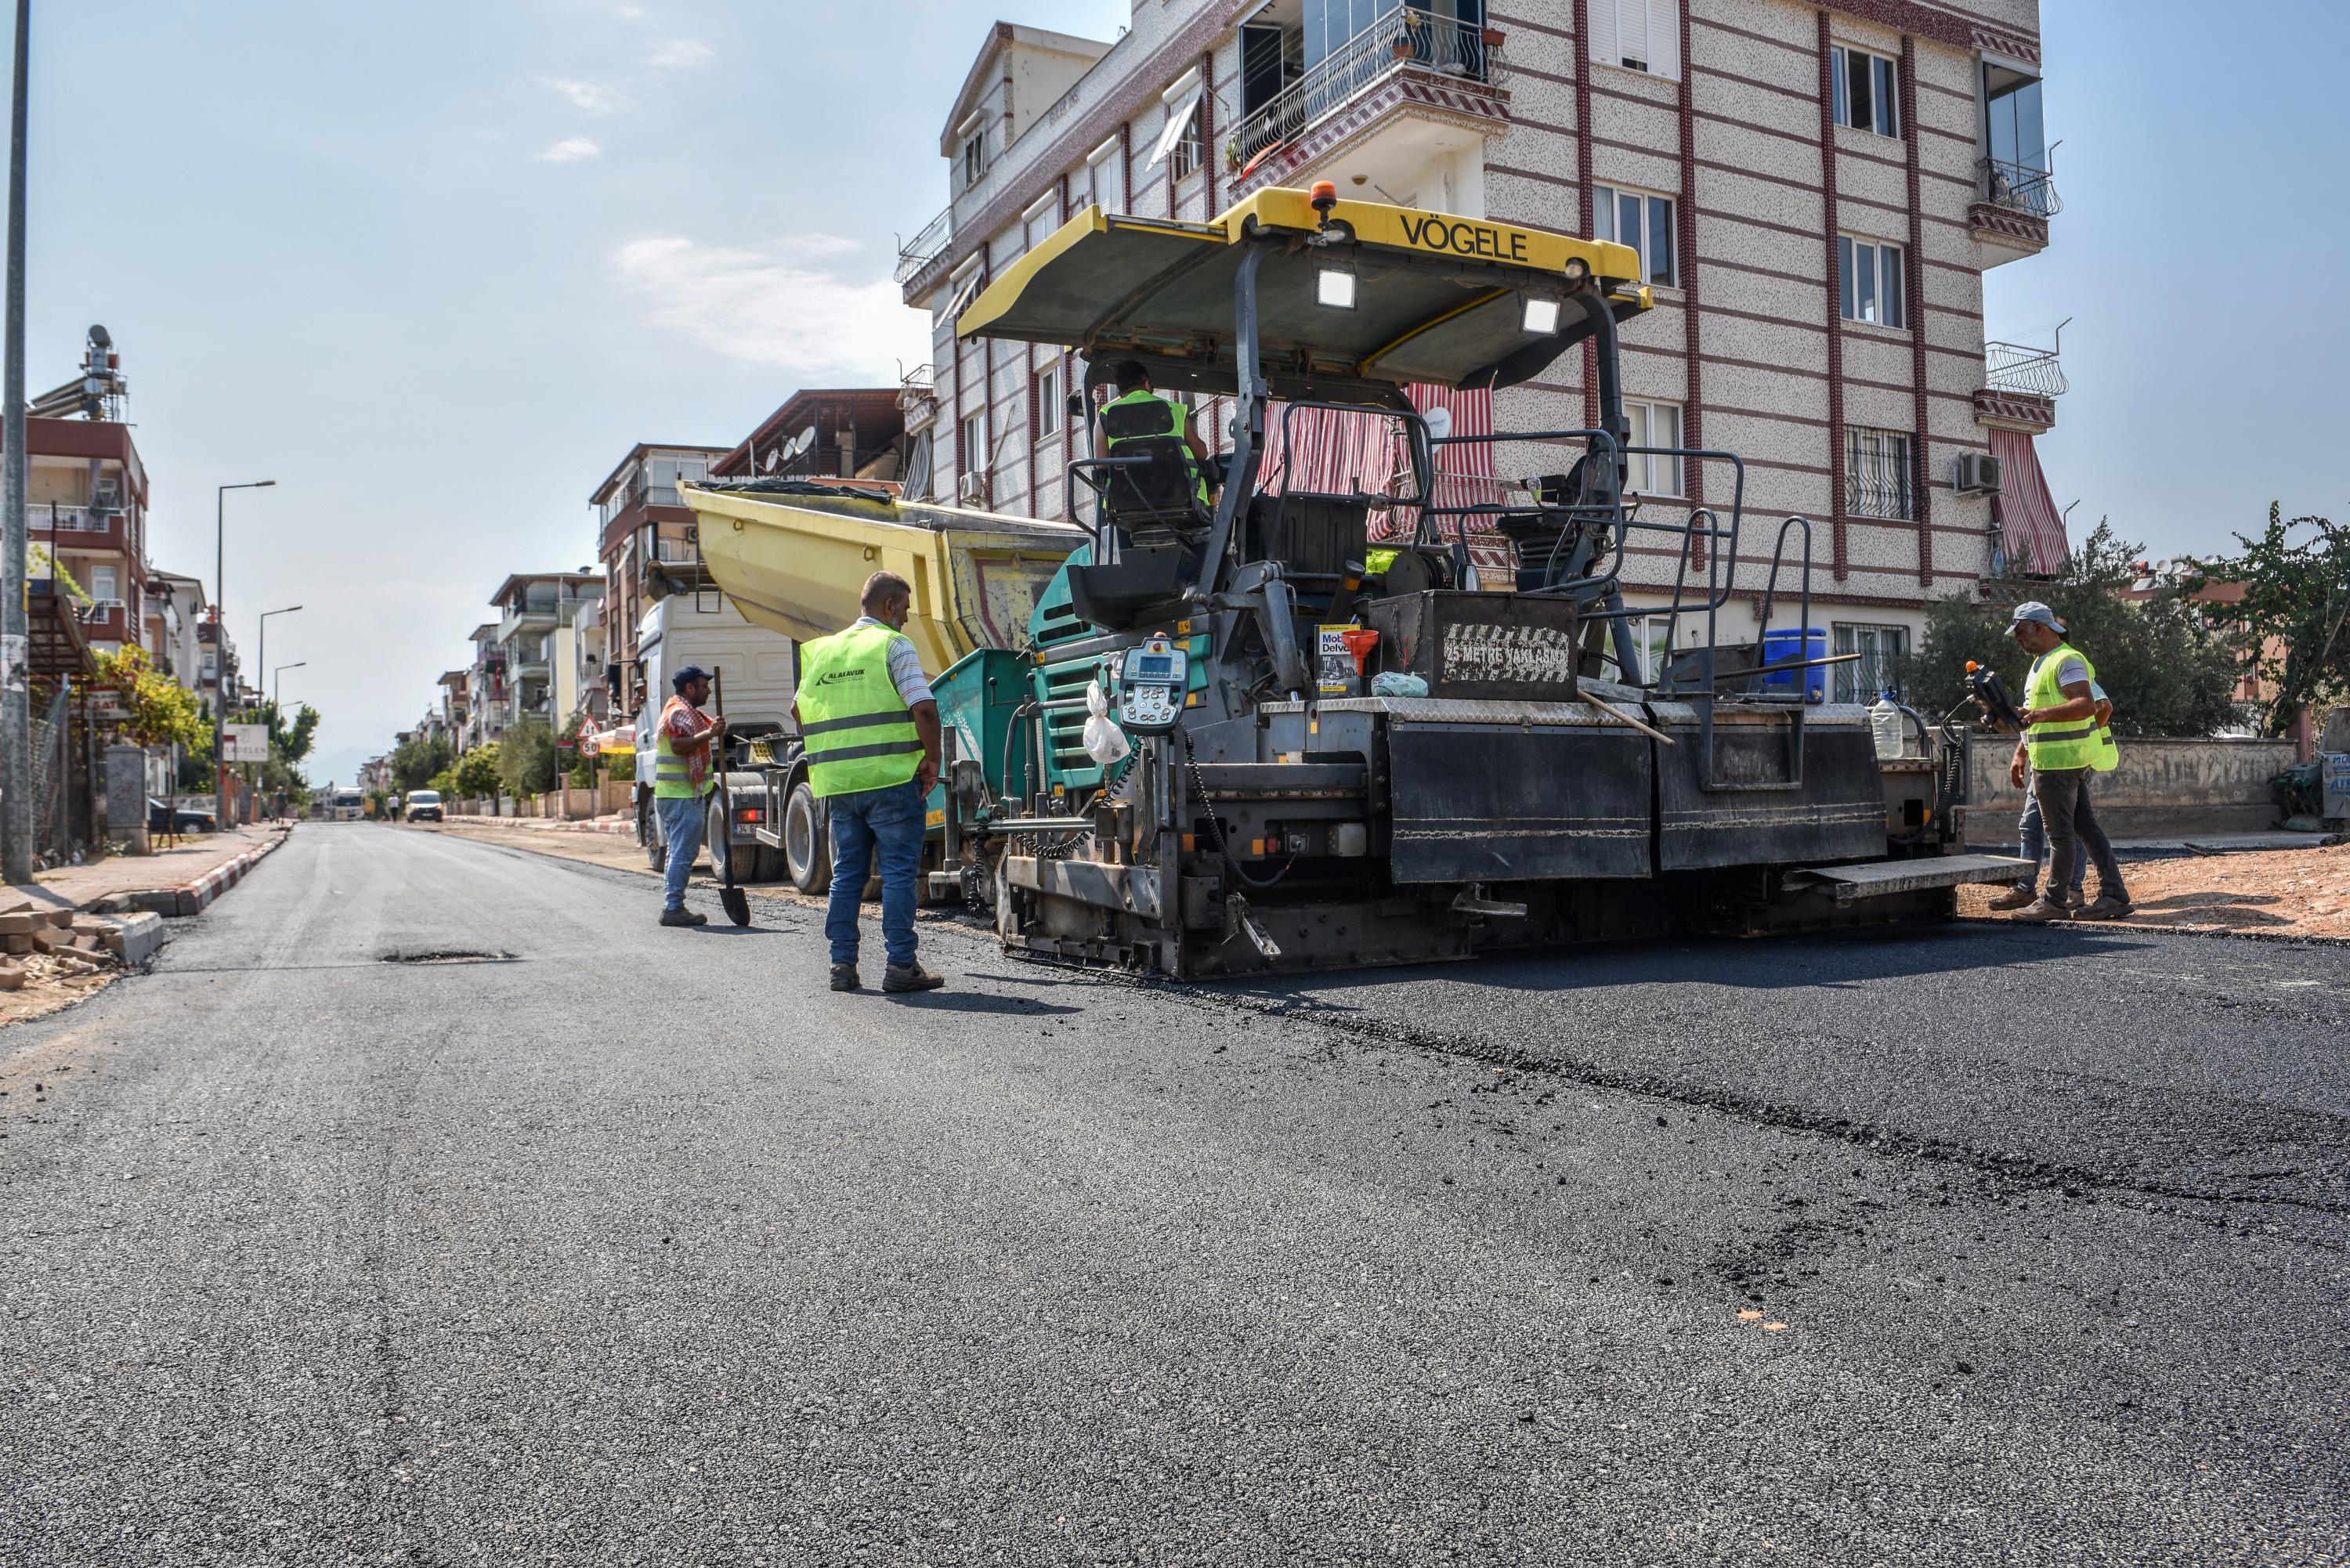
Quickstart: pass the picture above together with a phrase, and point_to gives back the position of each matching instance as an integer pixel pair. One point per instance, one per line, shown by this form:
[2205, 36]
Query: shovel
[736, 902]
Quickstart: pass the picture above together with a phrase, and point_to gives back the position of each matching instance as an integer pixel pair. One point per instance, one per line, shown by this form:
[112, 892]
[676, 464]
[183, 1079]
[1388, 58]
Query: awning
[2023, 509]
[1178, 115]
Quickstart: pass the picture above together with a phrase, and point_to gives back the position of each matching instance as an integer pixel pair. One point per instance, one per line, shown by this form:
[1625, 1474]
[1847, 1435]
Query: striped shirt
[905, 665]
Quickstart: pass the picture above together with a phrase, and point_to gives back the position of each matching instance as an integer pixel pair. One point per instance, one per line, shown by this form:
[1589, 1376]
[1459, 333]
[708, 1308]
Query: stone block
[136, 937]
[20, 923]
[53, 939]
[61, 918]
[12, 977]
[15, 941]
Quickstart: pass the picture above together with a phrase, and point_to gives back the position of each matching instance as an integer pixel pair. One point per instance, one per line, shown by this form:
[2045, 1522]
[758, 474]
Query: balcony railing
[49, 514]
[677, 552]
[2018, 367]
[2019, 187]
[1400, 39]
[926, 247]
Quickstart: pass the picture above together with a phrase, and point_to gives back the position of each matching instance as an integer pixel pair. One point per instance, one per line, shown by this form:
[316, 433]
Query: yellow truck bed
[796, 562]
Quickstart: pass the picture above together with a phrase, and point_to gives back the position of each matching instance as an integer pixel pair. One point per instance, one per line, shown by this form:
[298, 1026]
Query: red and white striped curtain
[2026, 511]
[1345, 452]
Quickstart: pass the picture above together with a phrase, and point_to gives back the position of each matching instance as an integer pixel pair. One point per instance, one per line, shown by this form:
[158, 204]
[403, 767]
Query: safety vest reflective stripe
[859, 732]
[2058, 745]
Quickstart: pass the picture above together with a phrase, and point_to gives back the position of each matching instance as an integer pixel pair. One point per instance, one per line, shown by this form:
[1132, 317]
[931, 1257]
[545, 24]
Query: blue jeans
[888, 821]
[2034, 846]
[681, 828]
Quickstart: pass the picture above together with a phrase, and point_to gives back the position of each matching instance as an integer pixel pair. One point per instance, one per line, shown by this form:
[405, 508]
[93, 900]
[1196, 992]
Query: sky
[435, 265]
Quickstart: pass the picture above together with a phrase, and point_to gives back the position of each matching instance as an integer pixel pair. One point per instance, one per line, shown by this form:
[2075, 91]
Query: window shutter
[1605, 34]
[1632, 22]
[1665, 38]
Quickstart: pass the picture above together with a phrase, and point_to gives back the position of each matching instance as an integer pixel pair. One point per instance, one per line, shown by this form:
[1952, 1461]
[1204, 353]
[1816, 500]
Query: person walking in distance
[682, 782]
[2062, 744]
[870, 727]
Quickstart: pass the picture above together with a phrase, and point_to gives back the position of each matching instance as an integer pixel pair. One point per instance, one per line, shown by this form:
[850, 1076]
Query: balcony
[1398, 97]
[529, 618]
[2013, 203]
[924, 248]
[2021, 386]
[918, 397]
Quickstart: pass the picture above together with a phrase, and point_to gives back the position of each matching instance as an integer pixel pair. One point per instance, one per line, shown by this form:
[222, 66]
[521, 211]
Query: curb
[617, 829]
[190, 899]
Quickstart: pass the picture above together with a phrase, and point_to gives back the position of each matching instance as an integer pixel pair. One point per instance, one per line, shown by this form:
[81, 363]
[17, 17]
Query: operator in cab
[682, 785]
[870, 726]
[2062, 742]
[1138, 413]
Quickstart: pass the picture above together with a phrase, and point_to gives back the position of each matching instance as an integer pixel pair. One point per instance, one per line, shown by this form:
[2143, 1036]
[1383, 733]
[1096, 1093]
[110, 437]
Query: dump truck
[791, 557]
[1261, 735]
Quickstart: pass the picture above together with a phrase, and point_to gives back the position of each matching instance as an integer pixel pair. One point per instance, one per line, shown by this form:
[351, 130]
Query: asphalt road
[1991, 1246]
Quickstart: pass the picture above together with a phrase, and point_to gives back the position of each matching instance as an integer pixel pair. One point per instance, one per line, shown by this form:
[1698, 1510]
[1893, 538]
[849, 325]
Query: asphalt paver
[430, 1204]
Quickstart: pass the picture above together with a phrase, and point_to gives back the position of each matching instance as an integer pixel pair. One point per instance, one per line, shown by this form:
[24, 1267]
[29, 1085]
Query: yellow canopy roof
[1436, 298]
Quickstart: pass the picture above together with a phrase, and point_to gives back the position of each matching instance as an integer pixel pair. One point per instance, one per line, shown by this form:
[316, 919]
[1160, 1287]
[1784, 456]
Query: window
[1048, 401]
[1103, 165]
[1876, 473]
[974, 157]
[1869, 281]
[1863, 90]
[975, 443]
[1638, 35]
[1643, 222]
[1180, 142]
[1653, 424]
[1878, 670]
[104, 584]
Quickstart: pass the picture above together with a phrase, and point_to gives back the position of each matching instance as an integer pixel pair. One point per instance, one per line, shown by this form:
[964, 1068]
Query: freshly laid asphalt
[1991, 1245]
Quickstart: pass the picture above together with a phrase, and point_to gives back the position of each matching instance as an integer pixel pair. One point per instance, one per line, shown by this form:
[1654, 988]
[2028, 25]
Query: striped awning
[2026, 513]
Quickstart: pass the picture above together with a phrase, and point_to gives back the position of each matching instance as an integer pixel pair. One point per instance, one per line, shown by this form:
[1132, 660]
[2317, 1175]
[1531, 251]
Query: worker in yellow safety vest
[681, 785]
[870, 727]
[1137, 413]
[2064, 741]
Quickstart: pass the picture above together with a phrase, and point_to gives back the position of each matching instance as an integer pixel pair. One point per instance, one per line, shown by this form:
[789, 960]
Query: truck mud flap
[1880, 879]
[1489, 803]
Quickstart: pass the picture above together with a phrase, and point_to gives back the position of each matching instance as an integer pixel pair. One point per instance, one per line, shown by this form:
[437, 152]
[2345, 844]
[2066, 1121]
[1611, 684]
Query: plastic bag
[1395, 683]
[1105, 741]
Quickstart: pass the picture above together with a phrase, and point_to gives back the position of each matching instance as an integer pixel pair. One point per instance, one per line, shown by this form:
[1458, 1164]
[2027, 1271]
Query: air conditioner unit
[971, 488]
[1974, 474]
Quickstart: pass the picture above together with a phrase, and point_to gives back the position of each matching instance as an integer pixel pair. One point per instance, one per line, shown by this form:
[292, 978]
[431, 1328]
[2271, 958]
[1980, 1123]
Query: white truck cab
[761, 670]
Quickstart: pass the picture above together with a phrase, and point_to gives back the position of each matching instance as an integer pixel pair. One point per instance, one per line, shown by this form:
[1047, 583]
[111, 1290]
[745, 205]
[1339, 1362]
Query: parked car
[423, 805]
[161, 817]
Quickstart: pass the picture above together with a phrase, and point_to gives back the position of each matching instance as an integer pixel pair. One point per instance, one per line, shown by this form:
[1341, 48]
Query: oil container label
[1334, 665]
[1519, 655]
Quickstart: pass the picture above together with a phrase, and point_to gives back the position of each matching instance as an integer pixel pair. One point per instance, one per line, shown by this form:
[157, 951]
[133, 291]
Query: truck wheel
[808, 841]
[649, 834]
[715, 838]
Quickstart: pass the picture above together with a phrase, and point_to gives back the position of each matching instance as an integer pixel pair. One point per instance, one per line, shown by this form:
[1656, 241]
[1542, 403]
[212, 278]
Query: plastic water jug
[1885, 726]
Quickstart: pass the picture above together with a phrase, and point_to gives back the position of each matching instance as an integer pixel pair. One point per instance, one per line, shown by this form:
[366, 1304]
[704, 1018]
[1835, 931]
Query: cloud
[594, 98]
[629, 13]
[570, 150]
[785, 305]
[680, 53]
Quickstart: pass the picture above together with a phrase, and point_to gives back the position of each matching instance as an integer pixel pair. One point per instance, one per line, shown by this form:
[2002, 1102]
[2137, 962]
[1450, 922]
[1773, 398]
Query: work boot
[2015, 897]
[911, 977]
[844, 978]
[2108, 907]
[684, 917]
[2040, 911]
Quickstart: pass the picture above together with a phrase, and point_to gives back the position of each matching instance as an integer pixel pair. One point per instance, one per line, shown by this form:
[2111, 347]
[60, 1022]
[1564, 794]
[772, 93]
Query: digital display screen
[1150, 667]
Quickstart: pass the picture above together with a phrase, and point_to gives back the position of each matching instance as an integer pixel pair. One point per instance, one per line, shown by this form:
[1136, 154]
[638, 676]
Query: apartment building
[533, 609]
[1814, 190]
[177, 606]
[645, 541]
[454, 687]
[828, 433]
[487, 706]
[86, 517]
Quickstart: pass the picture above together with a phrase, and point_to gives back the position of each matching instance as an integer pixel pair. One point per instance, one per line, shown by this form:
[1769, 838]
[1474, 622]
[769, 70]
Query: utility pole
[15, 697]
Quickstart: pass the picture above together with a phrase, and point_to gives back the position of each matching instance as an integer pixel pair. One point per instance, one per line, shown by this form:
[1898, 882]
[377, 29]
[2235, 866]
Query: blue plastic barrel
[1796, 644]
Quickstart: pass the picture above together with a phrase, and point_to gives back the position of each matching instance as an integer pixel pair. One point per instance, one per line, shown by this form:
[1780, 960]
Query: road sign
[106, 703]
[244, 743]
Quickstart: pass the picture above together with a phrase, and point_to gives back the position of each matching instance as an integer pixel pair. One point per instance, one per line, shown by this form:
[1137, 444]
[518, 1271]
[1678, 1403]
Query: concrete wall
[2162, 787]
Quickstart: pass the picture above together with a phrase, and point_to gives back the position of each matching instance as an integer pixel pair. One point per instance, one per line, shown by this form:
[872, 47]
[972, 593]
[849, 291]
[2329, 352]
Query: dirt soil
[2281, 892]
[53, 980]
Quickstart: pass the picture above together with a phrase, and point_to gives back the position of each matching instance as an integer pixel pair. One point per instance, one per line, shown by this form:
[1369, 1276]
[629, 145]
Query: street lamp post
[276, 673]
[219, 645]
[15, 698]
[261, 649]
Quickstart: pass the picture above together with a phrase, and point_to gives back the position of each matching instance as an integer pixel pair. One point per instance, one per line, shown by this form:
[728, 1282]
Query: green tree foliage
[416, 762]
[443, 784]
[2294, 615]
[158, 710]
[477, 771]
[2167, 670]
[526, 758]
